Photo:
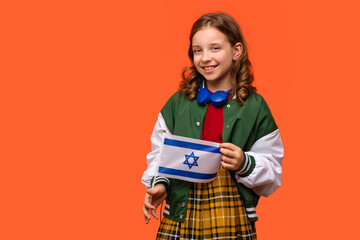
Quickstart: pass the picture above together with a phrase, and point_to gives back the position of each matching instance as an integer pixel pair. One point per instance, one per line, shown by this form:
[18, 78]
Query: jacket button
[182, 204]
[227, 126]
[181, 216]
[198, 124]
[228, 106]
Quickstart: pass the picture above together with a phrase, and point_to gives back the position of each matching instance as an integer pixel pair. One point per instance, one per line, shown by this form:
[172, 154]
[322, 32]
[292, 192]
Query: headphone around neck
[218, 98]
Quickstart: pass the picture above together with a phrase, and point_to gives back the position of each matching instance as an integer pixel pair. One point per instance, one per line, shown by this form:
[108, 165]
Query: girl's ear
[238, 49]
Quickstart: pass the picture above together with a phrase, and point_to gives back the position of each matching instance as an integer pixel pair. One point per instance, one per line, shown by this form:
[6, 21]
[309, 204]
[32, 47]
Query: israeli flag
[189, 159]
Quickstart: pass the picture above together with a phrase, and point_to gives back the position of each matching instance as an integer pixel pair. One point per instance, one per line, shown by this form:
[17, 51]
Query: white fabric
[153, 157]
[189, 159]
[267, 175]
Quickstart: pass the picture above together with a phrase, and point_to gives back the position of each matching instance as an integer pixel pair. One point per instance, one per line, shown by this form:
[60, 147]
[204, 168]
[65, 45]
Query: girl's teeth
[208, 68]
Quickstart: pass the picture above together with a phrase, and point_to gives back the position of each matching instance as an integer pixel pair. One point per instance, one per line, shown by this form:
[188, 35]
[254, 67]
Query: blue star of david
[194, 163]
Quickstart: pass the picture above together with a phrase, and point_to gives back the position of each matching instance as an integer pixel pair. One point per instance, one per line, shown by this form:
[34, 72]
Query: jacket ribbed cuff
[156, 180]
[251, 214]
[247, 166]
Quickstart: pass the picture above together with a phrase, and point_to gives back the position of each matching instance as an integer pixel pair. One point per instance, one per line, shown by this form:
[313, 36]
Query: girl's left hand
[232, 156]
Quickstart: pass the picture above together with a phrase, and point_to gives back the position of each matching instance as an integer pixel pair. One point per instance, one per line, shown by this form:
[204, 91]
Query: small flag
[189, 159]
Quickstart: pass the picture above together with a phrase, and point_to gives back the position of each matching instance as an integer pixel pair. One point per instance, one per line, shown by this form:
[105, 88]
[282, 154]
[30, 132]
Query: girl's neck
[215, 86]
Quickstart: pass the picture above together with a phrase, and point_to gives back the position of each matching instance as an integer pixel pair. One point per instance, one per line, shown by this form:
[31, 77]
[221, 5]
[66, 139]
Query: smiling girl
[216, 102]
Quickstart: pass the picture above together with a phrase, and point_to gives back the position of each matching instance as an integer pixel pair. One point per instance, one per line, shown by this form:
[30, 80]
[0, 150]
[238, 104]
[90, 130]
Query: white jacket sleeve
[152, 157]
[266, 154]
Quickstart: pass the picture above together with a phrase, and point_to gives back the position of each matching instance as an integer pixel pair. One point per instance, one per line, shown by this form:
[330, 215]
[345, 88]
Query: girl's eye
[197, 50]
[215, 48]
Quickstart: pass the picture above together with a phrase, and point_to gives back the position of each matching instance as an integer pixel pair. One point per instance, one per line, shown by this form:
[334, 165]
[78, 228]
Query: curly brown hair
[241, 73]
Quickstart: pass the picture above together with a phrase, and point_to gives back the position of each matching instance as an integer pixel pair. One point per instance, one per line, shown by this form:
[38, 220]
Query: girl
[249, 140]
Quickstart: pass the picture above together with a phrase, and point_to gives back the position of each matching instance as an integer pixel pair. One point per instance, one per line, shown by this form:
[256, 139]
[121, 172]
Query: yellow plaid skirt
[214, 211]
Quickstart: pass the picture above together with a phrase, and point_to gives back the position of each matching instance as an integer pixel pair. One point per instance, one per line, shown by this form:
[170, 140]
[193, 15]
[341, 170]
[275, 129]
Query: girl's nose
[206, 57]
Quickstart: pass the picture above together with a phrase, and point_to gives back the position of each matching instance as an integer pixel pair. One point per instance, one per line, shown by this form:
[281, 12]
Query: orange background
[82, 83]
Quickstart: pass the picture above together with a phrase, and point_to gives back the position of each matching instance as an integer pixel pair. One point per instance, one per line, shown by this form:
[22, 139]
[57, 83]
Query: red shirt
[213, 123]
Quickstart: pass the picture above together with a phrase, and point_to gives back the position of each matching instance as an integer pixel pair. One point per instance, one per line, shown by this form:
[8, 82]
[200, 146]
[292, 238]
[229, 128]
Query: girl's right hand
[153, 198]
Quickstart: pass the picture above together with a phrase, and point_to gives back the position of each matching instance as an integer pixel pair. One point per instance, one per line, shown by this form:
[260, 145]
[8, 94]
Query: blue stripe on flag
[190, 145]
[188, 174]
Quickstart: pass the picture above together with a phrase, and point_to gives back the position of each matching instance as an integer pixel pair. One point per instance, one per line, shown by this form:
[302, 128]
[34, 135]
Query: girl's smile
[209, 69]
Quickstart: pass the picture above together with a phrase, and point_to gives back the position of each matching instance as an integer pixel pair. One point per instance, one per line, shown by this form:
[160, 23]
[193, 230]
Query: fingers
[153, 212]
[157, 190]
[153, 198]
[232, 156]
[228, 164]
[227, 152]
[227, 145]
[229, 149]
[147, 207]
[147, 202]
[227, 160]
[152, 191]
[146, 214]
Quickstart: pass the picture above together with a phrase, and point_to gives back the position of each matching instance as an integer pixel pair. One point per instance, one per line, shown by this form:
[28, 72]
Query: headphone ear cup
[219, 98]
[203, 96]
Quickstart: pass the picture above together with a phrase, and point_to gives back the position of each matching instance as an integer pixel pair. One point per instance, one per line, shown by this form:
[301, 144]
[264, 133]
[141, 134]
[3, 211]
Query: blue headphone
[218, 98]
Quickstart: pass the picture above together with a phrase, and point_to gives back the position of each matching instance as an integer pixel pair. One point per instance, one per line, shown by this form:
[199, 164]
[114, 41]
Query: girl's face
[214, 56]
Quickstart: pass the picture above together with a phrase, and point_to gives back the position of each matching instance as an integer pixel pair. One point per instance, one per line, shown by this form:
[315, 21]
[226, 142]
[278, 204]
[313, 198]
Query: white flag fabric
[189, 159]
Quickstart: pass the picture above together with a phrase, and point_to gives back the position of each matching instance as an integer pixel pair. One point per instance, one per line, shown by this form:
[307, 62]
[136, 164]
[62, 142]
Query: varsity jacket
[251, 127]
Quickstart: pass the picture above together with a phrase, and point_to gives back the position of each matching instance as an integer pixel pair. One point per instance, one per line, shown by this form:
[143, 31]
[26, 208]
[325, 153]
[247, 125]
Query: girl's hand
[153, 198]
[232, 156]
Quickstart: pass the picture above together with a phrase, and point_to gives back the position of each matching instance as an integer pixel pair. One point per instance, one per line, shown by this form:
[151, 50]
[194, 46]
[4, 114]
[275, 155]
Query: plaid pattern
[214, 211]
